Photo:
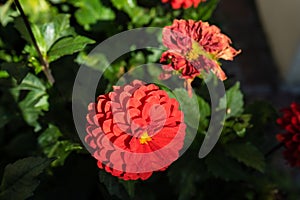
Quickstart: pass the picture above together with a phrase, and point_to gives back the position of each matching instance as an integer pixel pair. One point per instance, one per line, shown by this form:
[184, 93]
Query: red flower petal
[137, 122]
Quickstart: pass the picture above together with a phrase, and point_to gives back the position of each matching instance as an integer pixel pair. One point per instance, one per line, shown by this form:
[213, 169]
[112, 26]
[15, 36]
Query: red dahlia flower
[135, 130]
[194, 47]
[290, 121]
[176, 4]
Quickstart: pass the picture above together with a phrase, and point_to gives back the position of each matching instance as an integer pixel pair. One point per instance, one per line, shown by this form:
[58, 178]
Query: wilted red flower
[290, 121]
[199, 45]
[188, 69]
[135, 130]
[176, 4]
[178, 63]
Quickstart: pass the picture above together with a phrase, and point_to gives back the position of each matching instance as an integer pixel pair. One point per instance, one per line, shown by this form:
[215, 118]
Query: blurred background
[268, 32]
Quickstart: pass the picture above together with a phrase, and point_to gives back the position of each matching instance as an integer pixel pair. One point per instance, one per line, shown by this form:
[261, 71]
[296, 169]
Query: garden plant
[128, 99]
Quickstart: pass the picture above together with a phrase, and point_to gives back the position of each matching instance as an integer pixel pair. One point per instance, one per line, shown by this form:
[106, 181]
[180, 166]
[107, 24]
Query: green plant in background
[42, 156]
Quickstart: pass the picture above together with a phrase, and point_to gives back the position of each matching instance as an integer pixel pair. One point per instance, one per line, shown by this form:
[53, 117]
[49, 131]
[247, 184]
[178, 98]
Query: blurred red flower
[176, 4]
[290, 121]
[194, 47]
[135, 130]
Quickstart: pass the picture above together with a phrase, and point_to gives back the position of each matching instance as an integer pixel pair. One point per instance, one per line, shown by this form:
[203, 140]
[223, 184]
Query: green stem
[275, 148]
[44, 63]
[130, 187]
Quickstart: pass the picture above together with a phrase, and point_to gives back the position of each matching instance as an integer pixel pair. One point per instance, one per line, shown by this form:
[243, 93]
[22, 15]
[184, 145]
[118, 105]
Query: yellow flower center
[145, 138]
[196, 51]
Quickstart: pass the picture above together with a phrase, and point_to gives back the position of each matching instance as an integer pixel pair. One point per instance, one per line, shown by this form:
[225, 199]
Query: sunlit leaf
[138, 15]
[37, 10]
[47, 34]
[90, 11]
[3, 74]
[68, 46]
[6, 13]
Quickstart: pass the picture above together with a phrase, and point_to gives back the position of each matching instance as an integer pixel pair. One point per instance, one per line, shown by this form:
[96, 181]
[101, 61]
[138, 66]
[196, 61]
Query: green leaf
[55, 148]
[114, 72]
[55, 39]
[124, 4]
[235, 101]
[68, 46]
[222, 166]
[242, 124]
[247, 154]
[58, 1]
[3, 74]
[20, 26]
[5, 116]
[90, 11]
[236, 126]
[37, 10]
[203, 12]
[206, 9]
[20, 178]
[189, 106]
[96, 61]
[137, 58]
[39, 37]
[155, 56]
[31, 82]
[61, 150]
[59, 27]
[139, 16]
[50, 135]
[185, 175]
[204, 109]
[15, 70]
[263, 113]
[32, 107]
[6, 13]
[113, 186]
[5, 56]
[47, 34]
[35, 102]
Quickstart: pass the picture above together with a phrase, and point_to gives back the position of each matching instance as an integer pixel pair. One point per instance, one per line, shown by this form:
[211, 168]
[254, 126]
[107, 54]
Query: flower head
[290, 122]
[176, 4]
[178, 63]
[199, 44]
[135, 130]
